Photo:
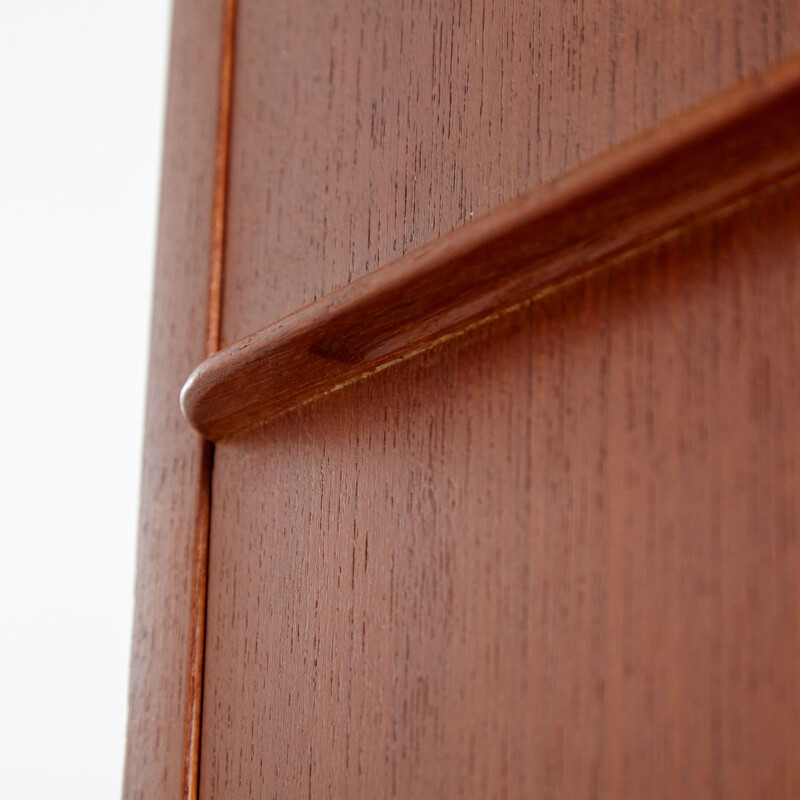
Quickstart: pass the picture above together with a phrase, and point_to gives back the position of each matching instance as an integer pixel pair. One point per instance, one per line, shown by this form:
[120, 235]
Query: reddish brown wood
[176, 469]
[196, 623]
[199, 556]
[700, 163]
[556, 557]
[363, 130]
[221, 162]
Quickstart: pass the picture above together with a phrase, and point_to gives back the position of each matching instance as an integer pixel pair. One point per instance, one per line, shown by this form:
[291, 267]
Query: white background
[82, 90]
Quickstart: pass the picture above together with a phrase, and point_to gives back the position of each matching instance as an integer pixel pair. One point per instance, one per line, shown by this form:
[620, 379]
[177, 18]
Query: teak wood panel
[175, 468]
[364, 129]
[556, 557]
[682, 551]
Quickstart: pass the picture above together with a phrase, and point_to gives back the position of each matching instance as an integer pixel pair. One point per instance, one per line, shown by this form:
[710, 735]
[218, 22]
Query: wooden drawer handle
[628, 198]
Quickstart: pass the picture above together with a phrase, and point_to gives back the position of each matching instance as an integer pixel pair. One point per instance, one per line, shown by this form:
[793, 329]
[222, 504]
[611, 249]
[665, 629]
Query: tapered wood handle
[697, 164]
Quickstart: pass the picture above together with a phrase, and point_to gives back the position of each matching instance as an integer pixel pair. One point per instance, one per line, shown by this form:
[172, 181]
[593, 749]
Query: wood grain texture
[557, 557]
[363, 130]
[219, 205]
[199, 554]
[164, 683]
[690, 166]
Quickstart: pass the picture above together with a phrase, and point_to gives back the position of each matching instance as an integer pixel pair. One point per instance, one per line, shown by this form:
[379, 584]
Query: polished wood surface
[556, 557]
[164, 681]
[363, 130]
[222, 151]
[675, 174]
[199, 554]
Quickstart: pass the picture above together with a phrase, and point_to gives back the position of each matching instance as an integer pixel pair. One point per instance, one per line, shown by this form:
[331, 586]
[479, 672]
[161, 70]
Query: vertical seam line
[200, 544]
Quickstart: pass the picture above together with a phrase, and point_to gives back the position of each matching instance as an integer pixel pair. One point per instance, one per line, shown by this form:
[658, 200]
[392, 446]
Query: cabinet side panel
[173, 472]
